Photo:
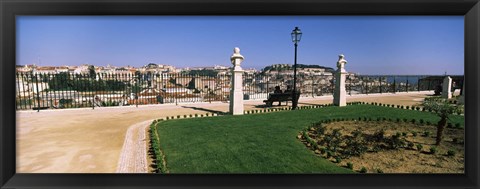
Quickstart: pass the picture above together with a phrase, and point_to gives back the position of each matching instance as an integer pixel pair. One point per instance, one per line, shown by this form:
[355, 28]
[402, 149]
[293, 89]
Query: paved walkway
[96, 141]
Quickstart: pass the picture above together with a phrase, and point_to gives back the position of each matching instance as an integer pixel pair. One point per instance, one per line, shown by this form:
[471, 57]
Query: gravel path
[133, 157]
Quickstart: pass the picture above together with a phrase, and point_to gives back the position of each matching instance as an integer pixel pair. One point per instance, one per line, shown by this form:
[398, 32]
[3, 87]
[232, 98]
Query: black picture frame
[11, 8]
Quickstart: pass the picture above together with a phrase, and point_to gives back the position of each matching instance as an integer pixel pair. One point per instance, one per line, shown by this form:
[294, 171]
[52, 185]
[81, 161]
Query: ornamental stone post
[236, 87]
[339, 95]
[447, 87]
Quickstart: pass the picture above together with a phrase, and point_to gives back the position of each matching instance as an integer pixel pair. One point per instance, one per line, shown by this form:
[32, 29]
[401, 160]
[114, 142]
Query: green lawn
[259, 143]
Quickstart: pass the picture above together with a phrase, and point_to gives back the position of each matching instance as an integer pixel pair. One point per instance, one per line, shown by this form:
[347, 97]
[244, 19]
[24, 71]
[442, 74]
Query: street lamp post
[296, 36]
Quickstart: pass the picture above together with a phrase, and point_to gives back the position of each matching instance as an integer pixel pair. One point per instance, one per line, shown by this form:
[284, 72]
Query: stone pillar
[236, 87]
[447, 88]
[339, 95]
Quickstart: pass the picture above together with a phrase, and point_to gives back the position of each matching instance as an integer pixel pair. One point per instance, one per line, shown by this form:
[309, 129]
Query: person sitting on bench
[278, 91]
[289, 89]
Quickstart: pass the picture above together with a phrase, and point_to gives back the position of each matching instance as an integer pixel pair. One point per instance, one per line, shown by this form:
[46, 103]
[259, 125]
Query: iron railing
[66, 90]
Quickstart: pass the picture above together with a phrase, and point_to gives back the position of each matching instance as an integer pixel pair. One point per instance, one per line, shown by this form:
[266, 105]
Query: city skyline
[371, 44]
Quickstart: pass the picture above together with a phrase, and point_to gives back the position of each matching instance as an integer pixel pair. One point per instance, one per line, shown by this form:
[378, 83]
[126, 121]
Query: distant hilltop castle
[301, 68]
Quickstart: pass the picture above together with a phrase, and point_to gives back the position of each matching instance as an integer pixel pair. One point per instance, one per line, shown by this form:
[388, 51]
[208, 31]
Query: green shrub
[433, 149]
[363, 170]
[451, 153]
[408, 107]
[196, 115]
[323, 150]
[410, 145]
[338, 160]
[405, 120]
[379, 170]
[404, 133]
[184, 116]
[398, 120]
[419, 147]
[329, 154]
[167, 118]
[426, 133]
[422, 122]
[414, 121]
[350, 165]
[395, 142]
[178, 116]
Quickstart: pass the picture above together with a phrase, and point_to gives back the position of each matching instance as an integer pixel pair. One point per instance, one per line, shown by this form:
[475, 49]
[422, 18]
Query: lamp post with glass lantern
[296, 36]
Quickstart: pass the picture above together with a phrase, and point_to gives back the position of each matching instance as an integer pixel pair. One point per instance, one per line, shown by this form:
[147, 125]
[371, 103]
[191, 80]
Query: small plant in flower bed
[414, 133]
[338, 160]
[433, 149]
[414, 121]
[404, 133]
[395, 142]
[350, 165]
[422, 122]
[419, 147]
[410, 145]
[451, 153]
[405, 120]
[363, 170]
[426, 133]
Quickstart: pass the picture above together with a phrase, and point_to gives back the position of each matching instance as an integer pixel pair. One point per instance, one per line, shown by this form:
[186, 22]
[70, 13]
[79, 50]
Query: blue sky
[371, 44]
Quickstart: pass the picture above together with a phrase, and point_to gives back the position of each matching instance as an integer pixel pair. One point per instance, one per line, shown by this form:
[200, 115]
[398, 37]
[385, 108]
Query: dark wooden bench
[280, 97]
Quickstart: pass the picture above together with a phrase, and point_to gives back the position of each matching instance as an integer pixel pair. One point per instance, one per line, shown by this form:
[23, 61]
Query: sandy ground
[405, 160]
[91, 141]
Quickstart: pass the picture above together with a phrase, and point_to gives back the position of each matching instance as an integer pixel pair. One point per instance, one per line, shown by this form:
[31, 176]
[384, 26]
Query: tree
[443, 109]
[91, 71]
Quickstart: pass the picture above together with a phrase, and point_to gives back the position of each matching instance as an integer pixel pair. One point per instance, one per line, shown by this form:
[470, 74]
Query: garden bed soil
[404, 159]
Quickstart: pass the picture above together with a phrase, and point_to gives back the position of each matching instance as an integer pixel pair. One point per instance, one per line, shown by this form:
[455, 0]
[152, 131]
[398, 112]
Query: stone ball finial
[341, 61]
[236, 50]
[236, 56]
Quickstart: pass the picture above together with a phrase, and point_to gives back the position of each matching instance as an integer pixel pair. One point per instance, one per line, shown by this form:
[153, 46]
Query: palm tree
[443, 109]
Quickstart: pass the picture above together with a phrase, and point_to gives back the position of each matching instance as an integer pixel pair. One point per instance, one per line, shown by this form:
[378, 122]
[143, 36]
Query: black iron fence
[65, 90]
